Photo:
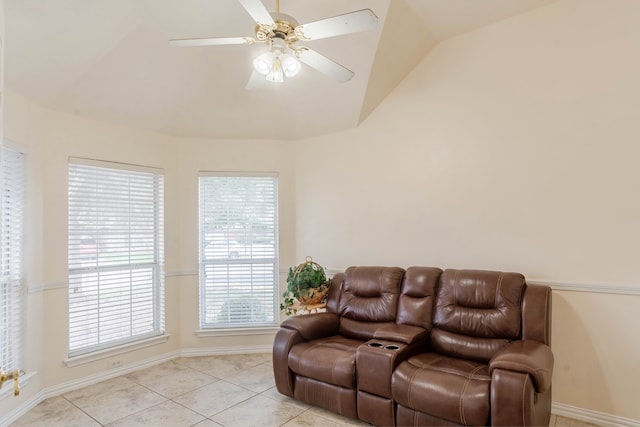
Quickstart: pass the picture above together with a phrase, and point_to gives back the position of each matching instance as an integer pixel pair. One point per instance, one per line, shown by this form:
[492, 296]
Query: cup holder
[391, 347]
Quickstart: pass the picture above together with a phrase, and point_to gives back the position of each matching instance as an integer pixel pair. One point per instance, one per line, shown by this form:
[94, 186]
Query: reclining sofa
[423, 346]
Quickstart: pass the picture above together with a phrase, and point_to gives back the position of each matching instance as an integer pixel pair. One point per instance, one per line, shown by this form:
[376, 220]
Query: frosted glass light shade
[276, 65]
[263, 63]
[290, 65]
[276, 74]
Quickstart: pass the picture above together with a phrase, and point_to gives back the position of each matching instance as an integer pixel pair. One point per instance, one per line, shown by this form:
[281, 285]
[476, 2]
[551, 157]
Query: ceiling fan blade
[258, 12]
[256, 81]
[211, 41]
[324, 64]
[361, 20]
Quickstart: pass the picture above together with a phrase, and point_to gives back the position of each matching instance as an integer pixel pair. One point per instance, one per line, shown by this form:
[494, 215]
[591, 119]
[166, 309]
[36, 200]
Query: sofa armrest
[284, 340]
[529, 357]
[313, 326]
[405, 334]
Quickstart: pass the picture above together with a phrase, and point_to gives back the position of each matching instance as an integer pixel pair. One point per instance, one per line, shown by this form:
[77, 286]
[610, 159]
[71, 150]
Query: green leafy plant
[306, 284]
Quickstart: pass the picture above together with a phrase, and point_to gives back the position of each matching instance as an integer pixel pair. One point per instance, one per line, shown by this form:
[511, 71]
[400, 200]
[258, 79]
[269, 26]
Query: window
[238, 250]
[12, 188]
[115, 255]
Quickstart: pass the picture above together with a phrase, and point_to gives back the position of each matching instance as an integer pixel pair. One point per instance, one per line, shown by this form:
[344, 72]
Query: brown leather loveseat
[423, 346]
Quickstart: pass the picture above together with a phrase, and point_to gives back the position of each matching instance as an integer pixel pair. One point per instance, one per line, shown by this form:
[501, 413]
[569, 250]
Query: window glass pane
[115, 256]
[238, 251]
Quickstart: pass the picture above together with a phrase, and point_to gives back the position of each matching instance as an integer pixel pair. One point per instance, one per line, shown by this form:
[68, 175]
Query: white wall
[513, 147]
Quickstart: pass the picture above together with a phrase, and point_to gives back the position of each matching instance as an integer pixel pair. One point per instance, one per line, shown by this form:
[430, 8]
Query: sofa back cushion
[417, 295]
[477, 313]
[369, 299]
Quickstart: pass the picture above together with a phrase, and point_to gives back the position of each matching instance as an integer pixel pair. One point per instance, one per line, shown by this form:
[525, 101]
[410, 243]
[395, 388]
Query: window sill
[71, 362]
[266, 330]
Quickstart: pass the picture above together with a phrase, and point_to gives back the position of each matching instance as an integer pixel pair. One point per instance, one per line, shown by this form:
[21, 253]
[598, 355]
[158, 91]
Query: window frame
[13, 183]
[153, 267]
[204, 261]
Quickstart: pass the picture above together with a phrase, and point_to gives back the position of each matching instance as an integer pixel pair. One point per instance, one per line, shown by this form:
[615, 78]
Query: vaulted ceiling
[110, 60]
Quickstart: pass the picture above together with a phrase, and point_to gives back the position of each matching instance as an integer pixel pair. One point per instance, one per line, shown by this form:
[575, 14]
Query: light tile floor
[230, 390]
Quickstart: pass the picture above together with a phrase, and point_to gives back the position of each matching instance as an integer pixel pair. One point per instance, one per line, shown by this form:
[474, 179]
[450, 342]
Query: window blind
[12, 189]
[115, 253]
[238, 251]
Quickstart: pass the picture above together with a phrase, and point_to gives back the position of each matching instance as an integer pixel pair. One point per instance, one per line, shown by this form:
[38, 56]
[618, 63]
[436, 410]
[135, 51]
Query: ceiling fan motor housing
[284, 29]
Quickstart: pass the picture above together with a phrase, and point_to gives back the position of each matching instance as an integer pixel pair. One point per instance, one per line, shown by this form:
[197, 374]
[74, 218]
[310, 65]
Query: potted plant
[307, 284]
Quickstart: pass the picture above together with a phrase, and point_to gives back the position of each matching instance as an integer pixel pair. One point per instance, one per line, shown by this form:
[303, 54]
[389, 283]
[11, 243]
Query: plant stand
[308, 308]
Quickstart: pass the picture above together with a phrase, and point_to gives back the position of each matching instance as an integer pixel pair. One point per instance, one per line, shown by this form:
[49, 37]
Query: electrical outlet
[115, 363]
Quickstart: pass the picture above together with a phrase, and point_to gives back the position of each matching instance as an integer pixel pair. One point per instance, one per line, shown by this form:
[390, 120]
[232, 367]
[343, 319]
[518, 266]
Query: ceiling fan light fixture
[263, 63]
[276, 75]
[276, 63]
[290, 65]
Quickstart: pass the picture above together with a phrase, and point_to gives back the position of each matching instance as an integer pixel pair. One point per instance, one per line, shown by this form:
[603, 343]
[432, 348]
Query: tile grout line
[82, 410]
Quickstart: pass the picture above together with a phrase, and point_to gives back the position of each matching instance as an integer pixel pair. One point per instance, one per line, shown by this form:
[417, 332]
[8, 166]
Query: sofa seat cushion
[445, 387]
[331, 360]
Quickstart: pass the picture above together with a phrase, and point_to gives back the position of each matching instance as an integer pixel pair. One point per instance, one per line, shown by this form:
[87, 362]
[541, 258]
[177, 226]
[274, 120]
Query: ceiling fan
[281, 33]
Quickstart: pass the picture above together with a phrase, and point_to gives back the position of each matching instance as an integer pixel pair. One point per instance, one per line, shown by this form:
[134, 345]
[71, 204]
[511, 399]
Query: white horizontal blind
[116, 277]
[238, 251]
[12, 188]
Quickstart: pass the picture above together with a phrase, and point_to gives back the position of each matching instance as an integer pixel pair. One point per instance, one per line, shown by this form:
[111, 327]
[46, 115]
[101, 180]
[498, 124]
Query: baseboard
[217, 351]
[592, 417]
[109, 374]
[69, 386]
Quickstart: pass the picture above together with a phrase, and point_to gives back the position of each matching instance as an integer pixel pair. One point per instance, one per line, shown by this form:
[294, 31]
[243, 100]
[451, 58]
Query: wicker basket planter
[307, 284]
